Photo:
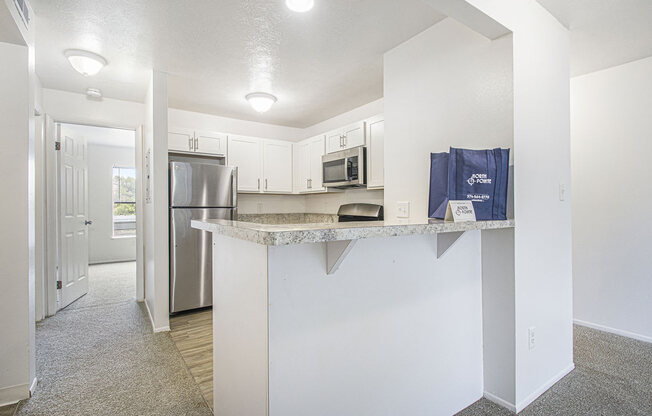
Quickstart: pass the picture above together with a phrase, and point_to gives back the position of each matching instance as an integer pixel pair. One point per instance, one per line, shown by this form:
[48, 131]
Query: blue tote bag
[438, 185]
[479, 176]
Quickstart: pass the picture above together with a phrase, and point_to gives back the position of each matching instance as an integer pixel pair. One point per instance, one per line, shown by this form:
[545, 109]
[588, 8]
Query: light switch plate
[402, 209]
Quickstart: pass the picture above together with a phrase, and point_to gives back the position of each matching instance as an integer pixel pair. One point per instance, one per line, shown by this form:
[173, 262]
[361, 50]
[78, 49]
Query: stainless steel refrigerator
[200, 188]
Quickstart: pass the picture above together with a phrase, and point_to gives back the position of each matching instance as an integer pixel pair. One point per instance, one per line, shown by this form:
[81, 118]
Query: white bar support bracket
[336, 252]
[446, 241]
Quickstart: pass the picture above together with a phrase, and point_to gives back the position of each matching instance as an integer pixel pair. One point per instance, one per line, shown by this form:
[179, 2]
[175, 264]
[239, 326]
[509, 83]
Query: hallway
[99, 356]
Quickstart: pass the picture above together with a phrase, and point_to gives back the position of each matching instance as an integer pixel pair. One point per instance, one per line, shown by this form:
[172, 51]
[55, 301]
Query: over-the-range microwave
[345, 169]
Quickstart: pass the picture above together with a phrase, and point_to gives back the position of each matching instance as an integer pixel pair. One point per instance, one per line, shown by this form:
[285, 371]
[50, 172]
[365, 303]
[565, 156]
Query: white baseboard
[14, 394]
[532, 397]
[151, 320]
[500, 402]
[538, 392]
[32, 388]
[614, 331]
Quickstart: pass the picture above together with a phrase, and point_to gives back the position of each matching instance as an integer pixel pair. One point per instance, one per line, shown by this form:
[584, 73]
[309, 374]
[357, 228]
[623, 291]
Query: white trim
[500, 402]
[151, 320]
[538, 392]
[32, 388]
[14, 394]
[614, 331]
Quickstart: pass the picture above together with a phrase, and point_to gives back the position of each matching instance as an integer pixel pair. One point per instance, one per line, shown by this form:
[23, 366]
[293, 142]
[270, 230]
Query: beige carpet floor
[99, 356]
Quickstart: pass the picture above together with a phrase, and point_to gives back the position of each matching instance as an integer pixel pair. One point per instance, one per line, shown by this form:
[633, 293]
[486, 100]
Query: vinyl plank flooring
[192, 333]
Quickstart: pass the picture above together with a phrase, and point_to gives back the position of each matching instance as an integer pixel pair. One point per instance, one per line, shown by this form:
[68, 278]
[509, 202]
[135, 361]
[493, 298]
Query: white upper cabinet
[210, 143]
[196, 141]
[347, 137]
[301, 166]
[375, 152]
[307, 165]
[181, 140]
[334, 141]
[354, 135]
[263, 165]
[277, 166]
[316, 151]
[246, 154]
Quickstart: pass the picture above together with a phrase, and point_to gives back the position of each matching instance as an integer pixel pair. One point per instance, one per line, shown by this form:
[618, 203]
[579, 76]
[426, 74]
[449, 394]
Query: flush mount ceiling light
[260, 101]
[85, 62]
[94, 93]
[300, 5]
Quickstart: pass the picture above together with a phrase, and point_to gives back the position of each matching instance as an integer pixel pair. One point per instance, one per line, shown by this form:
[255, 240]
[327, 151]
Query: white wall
[103, 248]
[155, 214]
[17, 367]
[71, 107]
[199, 121]
[542, 238]
[329, 203]
[360, 113]
[392, 297]
[447, 86]
[610, 147]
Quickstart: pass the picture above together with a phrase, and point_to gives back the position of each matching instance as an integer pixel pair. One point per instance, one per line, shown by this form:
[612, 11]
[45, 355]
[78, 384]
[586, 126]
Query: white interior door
[73, 180]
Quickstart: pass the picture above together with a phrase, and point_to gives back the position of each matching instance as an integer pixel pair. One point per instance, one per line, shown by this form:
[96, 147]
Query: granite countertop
[287, 234]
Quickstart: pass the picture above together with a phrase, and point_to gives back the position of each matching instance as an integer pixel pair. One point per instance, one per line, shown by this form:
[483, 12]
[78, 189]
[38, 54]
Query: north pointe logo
[480, 178]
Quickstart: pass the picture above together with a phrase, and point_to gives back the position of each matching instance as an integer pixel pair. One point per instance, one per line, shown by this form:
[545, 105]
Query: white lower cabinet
[263, 165]
[245, 153]
[375, 152]
[307, 165]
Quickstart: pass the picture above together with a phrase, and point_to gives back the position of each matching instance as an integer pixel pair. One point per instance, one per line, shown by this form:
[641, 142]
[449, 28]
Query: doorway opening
[98, 216]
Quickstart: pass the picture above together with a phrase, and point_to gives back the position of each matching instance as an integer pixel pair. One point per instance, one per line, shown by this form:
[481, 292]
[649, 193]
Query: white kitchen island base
[394, 331]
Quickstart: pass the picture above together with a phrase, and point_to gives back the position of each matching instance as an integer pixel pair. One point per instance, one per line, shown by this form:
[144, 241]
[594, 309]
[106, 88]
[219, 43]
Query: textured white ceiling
[319, 64]
[604, 33]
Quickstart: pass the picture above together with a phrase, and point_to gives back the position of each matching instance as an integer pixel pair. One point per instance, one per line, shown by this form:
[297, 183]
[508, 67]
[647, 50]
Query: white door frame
[52, 226]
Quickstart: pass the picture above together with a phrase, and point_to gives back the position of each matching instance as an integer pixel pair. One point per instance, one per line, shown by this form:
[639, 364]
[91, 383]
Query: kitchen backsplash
[312, 203]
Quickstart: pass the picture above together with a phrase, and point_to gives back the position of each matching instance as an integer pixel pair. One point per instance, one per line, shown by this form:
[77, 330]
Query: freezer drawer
[191, 271]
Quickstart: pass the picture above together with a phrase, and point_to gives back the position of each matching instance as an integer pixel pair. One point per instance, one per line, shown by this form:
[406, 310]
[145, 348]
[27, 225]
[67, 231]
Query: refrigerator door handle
[234, 187]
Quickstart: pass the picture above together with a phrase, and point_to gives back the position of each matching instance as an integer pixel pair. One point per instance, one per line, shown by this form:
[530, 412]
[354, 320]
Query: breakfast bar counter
[358, 318]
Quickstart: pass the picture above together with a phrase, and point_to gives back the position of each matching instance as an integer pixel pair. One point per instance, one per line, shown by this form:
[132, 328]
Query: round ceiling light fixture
[300, 6]
[261, 101]
[85, 62]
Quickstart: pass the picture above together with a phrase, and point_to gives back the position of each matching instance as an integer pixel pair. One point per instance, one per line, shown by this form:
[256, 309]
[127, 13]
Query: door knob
[87, 222]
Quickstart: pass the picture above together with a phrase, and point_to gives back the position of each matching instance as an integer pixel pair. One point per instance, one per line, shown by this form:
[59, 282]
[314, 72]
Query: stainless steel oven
[345, 169]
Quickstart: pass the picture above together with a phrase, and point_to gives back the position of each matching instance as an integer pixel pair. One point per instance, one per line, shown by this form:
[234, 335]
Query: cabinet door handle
[196, 144]
[259, 184]
[310, 183]
[190, 143]
[344, 139]
[265, 183]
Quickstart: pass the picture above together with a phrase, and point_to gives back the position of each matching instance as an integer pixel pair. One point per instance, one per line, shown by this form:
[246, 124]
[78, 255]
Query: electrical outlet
[403, 209]
[531, 338]
[562, 192]
[259, 208]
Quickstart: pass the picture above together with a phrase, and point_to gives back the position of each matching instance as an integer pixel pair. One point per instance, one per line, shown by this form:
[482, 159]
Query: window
[124, 202]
